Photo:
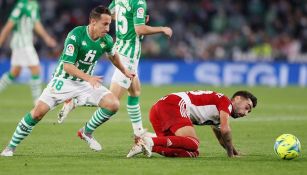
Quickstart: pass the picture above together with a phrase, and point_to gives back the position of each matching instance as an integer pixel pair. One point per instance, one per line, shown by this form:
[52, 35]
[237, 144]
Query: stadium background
[257, 45]
[215, 42]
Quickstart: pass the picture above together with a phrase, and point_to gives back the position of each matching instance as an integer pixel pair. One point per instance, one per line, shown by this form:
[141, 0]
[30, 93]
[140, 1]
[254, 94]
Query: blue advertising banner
[209, 73]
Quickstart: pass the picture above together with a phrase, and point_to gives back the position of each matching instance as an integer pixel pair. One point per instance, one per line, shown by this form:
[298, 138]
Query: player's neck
[92, 33]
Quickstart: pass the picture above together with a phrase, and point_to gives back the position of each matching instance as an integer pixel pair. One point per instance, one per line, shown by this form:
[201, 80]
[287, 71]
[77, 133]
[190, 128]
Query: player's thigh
[186, 131]
[135, 87]
[24, 57]
[95, 96]
[117, 90]
[58, 90]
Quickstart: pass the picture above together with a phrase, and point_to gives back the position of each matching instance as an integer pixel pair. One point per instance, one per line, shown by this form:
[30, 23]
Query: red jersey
[203, 107]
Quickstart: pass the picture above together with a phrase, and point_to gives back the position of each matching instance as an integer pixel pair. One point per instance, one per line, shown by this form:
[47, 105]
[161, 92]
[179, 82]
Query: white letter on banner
[302, 77]
[265, 72]
[233, 74]
[208, 73]
[283, 75]
[163, 73]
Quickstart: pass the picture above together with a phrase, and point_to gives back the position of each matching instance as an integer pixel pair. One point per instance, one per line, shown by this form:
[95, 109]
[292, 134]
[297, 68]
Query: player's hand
[167, 31]
[129, 74]
[95, 81]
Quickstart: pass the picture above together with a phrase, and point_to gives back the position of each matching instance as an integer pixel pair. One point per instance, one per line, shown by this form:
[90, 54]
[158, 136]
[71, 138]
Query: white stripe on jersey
[136, 47]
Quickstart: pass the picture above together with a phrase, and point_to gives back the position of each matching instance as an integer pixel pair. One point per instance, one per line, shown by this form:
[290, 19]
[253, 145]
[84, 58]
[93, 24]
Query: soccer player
[73, 78]
[130, 17]
[173, 116]
[23, 19]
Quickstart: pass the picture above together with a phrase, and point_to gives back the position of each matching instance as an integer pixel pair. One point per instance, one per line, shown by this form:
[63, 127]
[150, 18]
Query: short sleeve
[71, 46]
[139, 12]
[112, 7]
[225, 105]
[17, 12]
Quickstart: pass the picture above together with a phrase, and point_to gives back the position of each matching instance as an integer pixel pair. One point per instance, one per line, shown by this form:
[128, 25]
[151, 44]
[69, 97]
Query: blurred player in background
[73, 78]
[23, 19]
[173, 116]
[130, 17]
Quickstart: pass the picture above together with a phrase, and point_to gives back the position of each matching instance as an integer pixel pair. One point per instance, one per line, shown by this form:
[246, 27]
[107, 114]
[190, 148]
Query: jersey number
[57, 84]
[121, 20]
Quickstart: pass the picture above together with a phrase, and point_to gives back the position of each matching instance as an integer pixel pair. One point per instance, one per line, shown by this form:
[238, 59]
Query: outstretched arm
[149, 30]
[6, 31]
[225, 133]
[218, 135]
[40, 30]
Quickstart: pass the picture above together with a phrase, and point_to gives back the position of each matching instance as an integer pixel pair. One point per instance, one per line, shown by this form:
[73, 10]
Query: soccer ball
[287, 146]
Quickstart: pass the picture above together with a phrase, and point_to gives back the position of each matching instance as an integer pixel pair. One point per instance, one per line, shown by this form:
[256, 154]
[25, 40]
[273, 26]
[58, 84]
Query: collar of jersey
[88, 35]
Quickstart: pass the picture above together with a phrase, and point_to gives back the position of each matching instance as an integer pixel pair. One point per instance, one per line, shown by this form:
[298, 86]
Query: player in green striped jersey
[130, 17]
[73, 78]
[23, 19]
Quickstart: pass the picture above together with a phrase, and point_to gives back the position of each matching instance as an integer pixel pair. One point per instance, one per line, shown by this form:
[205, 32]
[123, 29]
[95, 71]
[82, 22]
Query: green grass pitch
[55, 149]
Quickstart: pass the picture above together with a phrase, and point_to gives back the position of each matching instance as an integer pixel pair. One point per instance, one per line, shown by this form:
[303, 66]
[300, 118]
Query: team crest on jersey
[140, 12]
[102, 45]
[70, 50]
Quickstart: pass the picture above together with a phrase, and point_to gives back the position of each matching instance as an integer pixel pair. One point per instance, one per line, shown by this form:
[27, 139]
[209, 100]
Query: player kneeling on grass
[73, 78]
[173, 116]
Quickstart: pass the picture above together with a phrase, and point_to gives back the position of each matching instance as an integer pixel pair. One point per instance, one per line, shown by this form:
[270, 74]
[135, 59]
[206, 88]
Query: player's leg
[35, 82]
[173, 152]
[25, 126]
[31, 60]
[133, 106]
[108, 106]
[8, 77]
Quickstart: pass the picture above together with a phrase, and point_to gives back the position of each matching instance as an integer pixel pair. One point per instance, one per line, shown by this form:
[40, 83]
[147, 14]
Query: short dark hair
[246, 95]
[98, 11]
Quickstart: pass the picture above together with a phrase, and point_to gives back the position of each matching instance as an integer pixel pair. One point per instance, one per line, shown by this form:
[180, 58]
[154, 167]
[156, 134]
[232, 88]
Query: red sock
[186, 143]
[174, 152]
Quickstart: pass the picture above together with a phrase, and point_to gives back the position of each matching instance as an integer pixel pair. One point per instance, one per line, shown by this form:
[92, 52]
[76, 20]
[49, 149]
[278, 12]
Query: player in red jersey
[174, 115]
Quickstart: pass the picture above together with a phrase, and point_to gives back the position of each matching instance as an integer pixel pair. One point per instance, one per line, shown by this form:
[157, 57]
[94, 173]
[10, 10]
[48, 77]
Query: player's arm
[117, 63]
[149, 30]
[40, 30]
[226, 133]
[218, 135]
[74, 71]
[8, 27]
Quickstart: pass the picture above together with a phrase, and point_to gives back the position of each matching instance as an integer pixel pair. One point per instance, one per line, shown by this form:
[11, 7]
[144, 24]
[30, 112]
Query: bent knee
[113, 106]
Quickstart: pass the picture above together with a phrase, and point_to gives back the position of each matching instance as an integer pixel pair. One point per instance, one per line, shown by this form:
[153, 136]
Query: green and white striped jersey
[24, 16]
[82, 51]
[128, 13]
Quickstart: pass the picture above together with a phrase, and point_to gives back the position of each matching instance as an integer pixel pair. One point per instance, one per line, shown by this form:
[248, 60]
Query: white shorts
[58, 90]
[26, 56]
[119, 77]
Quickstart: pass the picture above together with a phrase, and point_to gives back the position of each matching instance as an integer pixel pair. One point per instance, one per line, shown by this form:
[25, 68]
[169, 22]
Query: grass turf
[54, 149]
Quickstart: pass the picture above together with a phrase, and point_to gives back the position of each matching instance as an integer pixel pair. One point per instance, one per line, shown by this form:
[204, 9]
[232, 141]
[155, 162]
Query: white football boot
[144, 145]
[8, 152]
[92, 142]
[68, 106]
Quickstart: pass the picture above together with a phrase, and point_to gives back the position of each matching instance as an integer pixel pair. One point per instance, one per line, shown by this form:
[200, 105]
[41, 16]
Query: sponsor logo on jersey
[140, 12]
[70, 50]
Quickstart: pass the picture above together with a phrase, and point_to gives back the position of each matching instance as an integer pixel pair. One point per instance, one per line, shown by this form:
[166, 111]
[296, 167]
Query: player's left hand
[129, 74]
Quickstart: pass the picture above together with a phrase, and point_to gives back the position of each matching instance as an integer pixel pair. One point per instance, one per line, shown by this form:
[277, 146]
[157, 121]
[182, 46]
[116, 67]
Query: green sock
[134, 112]
[35, 85]
[100, 116]
[23, 129]
[5, 80]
